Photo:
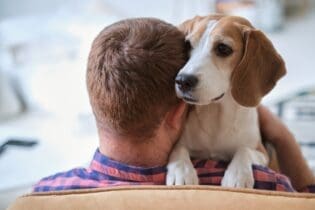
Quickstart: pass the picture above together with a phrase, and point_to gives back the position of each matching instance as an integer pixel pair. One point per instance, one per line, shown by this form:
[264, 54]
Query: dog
[231, 67]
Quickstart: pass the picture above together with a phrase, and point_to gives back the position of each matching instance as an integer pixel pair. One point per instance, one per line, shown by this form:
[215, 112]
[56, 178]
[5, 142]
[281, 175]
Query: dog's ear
[258, 71]
[194, 28]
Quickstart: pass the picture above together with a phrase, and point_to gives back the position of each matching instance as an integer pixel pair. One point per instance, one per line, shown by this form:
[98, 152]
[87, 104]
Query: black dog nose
[186, 82]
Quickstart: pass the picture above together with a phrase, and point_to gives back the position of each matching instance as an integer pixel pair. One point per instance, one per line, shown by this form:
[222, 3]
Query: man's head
[130, 76]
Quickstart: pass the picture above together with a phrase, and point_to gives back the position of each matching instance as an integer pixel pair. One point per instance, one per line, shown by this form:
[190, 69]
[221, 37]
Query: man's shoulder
[76, 178]
[211, 172]
[268, 179]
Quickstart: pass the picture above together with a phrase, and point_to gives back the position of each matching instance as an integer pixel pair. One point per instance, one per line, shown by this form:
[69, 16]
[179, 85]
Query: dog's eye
[223, 50]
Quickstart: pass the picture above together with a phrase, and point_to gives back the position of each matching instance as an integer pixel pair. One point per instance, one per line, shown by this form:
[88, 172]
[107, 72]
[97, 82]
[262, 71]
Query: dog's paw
[181, 173]
[238, 177]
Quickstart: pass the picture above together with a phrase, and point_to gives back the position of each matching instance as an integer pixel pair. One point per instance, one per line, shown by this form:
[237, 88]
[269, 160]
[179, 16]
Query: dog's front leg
[239, 173]
[180, 170]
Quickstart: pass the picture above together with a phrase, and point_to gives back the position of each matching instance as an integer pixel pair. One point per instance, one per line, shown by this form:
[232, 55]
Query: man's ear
[176, 116]
[258, 71]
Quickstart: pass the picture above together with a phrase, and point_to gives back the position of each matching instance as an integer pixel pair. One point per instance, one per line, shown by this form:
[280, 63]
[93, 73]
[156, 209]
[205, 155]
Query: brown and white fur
[231, 67]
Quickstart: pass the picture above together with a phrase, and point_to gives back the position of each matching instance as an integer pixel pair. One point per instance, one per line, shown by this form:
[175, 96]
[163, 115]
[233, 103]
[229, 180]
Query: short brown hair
[130, 75]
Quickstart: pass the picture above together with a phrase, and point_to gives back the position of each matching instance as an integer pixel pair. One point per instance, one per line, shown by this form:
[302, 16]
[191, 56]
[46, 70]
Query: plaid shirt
[104, 172]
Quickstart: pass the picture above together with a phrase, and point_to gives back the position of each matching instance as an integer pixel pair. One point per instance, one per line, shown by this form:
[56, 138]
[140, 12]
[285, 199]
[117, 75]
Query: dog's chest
[212, 132]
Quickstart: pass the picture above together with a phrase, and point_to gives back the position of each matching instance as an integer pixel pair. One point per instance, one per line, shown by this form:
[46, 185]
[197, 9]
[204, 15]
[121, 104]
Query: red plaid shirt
[104, 172]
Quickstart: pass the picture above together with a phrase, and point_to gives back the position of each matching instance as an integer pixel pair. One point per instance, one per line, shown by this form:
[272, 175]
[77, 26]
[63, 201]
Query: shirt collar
[121, 171]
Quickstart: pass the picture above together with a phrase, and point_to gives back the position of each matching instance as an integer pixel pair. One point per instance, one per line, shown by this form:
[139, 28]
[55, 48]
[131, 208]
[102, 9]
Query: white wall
[170, 10]
[174, 11]
[9, 8]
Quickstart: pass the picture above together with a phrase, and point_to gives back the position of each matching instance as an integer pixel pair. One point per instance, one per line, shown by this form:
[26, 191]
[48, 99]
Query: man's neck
[148, 153]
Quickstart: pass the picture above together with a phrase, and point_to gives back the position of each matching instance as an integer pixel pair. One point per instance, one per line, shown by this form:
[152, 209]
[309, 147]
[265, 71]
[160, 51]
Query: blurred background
[46, 124]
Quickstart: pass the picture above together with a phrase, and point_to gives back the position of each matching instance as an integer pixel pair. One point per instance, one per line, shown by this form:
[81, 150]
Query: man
[130, 81]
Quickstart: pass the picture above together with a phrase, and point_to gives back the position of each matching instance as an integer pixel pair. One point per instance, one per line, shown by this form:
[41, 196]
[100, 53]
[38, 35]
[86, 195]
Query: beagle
[231, 67]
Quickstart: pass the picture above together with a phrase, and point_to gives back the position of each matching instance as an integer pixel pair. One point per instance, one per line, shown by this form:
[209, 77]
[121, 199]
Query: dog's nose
[186, 82]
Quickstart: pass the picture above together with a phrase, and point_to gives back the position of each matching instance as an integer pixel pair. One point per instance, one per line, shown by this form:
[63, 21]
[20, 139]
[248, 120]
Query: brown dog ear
[259, 70]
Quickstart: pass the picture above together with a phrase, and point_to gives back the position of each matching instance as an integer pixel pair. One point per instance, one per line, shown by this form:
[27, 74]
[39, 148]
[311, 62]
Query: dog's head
[228, 54]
